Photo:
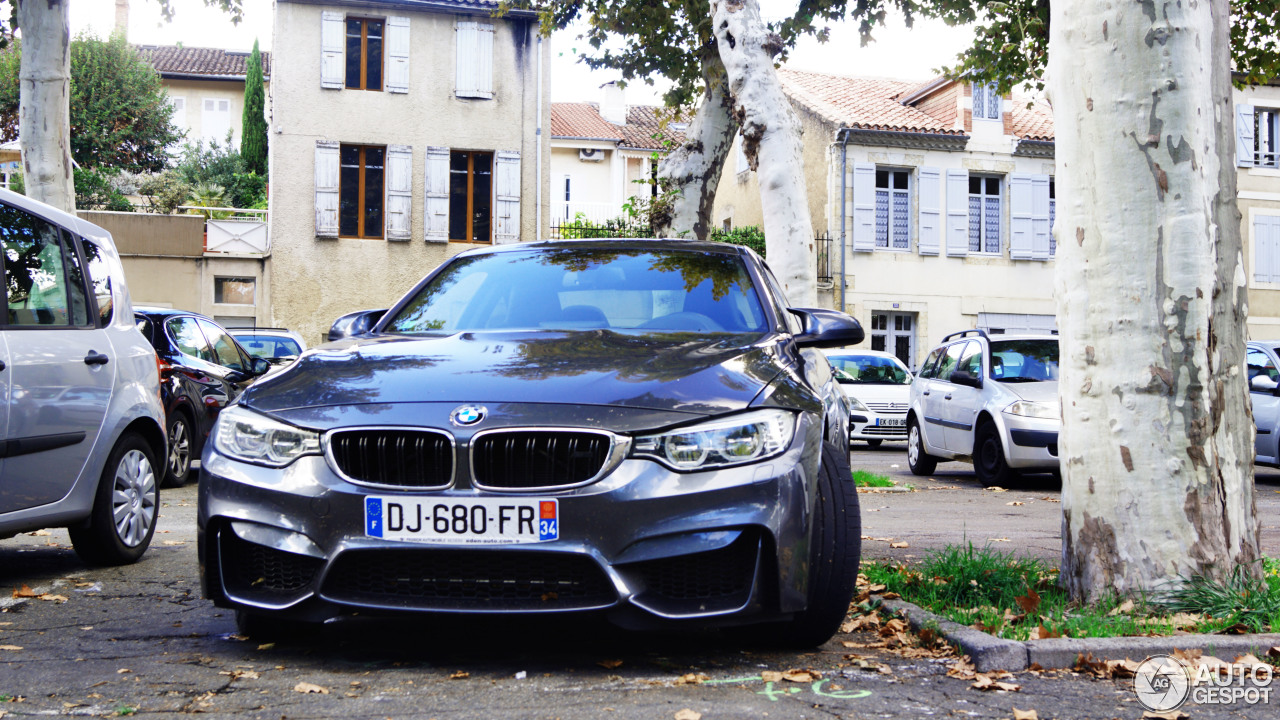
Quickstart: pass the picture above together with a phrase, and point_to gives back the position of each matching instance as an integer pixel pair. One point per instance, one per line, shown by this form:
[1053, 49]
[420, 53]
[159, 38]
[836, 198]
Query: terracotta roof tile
[581, 120]
[867, 103]
[171, 60]
[642, 130]
[1032, 123]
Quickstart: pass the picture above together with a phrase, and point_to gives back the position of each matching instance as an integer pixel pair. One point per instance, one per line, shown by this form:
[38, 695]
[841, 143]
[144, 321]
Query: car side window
[1260, 365]
[224, 348]
[188, 338]
[99, 280]
[971, 360]
[928, 366]
[36, 261]
[949, 361]
[791, 321]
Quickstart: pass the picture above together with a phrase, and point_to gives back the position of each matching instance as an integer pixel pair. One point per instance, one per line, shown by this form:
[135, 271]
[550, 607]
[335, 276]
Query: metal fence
[822, 244]
[585, 229]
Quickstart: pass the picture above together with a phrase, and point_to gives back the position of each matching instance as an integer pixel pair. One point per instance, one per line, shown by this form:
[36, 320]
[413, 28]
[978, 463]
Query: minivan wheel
[123, 518]
[178, 467]
[920, 462]
[988, 458]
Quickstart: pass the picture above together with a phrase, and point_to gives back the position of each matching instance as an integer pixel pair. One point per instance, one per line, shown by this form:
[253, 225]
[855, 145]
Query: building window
[893, 209]
[894, 332]
[360, 191]
[179, 117]
[470, 196]
[984, 214]
[234, 290]
[986, 101]
[364, 54]
[1266, 138]
[215, 120]
[1053, 211]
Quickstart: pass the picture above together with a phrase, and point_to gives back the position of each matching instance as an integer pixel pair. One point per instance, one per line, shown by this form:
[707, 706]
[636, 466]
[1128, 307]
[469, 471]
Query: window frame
[982, 214]
[72, 255]
[985, 91]
[1266, 126]
[364, 53]
[891, 192]
[362, 212]
[471, 194]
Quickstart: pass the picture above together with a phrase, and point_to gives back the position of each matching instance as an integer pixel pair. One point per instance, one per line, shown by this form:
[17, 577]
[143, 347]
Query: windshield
[269, 346]
[574, 288]
[1024, 360]
[869, 370]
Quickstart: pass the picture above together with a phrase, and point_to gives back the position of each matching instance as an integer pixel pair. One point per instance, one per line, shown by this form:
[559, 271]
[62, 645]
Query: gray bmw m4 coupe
[639, 429]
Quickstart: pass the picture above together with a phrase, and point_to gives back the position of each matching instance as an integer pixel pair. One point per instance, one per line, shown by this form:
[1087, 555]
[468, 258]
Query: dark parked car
[637, 428]
[202, 368]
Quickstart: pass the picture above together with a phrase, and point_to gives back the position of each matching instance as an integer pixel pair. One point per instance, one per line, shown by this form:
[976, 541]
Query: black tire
[105, 539]
[266, 627]
[988, 458]
[834, 554]
[920, 462]
[181, 445]
[874, 443]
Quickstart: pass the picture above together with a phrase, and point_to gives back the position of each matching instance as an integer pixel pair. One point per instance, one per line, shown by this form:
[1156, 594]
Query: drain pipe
[537, 230]
[843, 133]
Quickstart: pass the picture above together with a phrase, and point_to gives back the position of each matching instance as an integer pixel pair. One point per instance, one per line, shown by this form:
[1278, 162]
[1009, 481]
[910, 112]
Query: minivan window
[99, 279]
[1024, 360]
[949, 361]
[971, 361]
[928, 367]
[34, 270]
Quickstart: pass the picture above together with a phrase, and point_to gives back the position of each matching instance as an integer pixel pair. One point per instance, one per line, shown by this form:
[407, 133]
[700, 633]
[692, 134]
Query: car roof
[659, 244]
[167, 312]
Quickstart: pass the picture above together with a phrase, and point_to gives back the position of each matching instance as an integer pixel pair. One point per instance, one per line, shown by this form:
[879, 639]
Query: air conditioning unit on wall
[590, 154]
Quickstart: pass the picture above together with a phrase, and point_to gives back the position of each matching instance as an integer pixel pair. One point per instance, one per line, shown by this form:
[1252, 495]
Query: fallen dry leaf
[173, 542]
[687, 714]
[771, 676]
[899, 545]
[460, 675]
[238, 674]
[1125, 607]
[123, 671]
[1025, 714]
[53, 598]
[1029, 602]
[10, 647]
[996, 488]
[610, 664]
[999, 539]
[1017, 503]
[800, 676]
[1172, 715]
[1051, 499]
[25, 592]
[1043, 633]
[306, 687]
[40, 533]
[691, 679]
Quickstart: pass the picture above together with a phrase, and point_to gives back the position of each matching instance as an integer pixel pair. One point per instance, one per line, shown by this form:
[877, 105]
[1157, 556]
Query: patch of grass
[125, 710]
[865, 478]
[1018, 598]
[1240, 599]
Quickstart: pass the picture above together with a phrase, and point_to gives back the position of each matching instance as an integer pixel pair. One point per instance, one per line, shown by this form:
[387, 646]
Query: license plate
[891, 422]
[482, 521]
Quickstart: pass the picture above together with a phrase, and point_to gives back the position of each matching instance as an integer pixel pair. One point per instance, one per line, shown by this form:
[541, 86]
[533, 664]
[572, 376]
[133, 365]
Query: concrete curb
[988, 652]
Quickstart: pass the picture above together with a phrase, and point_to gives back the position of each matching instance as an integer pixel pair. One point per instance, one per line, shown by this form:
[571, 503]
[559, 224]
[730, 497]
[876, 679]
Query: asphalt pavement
[140, 641]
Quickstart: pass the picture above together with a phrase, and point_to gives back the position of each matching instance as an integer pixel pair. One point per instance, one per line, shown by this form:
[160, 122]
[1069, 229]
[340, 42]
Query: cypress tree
[253, 135]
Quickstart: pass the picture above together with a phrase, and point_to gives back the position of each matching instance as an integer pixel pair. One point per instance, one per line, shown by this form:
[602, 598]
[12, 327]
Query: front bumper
[644, 544]
[878, 425]
[1031, 443]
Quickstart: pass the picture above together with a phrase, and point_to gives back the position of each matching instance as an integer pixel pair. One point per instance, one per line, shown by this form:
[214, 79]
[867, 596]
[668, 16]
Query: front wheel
[920, 462]
[123, 518]
[988, 458]
[178, 467]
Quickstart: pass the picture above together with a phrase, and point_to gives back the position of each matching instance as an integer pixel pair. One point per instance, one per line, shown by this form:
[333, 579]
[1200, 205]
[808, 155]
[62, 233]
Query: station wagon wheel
[178, 466]
[123, 519]
[988, 457]
[920, 462]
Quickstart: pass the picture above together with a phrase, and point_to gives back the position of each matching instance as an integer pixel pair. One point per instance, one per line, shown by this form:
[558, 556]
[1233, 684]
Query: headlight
[1042, 410]
[721, 443]
[245, 435]
[856, 404]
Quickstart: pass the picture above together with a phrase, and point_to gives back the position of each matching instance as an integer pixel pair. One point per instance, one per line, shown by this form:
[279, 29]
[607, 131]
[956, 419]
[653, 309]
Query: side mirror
[1262, 383]
[964, 377]
[826, 328]
[356, 323]
[259, 367]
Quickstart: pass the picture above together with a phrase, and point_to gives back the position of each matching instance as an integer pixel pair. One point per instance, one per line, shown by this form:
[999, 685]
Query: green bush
[95, 191]
[750, 236]
[163, 191]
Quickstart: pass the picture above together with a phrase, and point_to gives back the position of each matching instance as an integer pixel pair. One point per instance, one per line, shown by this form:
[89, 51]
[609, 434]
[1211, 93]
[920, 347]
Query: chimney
[613, 106]
[122, 19]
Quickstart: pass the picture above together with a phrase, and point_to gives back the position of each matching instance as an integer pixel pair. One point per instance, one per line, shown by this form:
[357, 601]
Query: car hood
[1043, 391]
[684, 372]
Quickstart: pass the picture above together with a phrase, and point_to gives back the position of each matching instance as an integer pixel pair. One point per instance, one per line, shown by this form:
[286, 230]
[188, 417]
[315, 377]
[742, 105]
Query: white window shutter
[436, 222]
[327, 178]
[1265, 239]
[397, 55]
[332, 49]
[930, 211]
[957, 212]
[864, 206]
[1020, 211]
[1040, 217]
[506, 197]
[474, 60]
[1244, 135]
[399, 192]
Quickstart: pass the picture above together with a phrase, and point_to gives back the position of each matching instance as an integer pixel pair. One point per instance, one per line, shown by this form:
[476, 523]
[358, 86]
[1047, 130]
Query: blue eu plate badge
[373, 516]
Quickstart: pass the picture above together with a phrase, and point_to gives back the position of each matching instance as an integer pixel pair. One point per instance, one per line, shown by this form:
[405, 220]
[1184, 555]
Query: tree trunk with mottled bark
[690, 174]
[771, 141]
[44, 108]
[1157, 439]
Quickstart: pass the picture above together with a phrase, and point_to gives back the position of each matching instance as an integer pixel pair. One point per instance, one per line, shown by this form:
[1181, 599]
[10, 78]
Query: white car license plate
[481, 521]
[891, 422]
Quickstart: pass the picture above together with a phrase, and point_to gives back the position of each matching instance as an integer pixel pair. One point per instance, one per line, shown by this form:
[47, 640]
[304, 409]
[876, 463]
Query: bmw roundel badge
[464, 415]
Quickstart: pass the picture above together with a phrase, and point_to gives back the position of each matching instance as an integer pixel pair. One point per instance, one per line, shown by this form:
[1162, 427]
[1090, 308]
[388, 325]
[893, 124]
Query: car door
[1262, 363]
[198, 362]
[60, 365]
[4, 397]
[962, 402]
[937, 396]
[236, 364]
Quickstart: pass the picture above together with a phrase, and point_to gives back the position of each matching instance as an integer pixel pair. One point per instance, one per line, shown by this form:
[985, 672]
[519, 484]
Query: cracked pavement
[140, 641]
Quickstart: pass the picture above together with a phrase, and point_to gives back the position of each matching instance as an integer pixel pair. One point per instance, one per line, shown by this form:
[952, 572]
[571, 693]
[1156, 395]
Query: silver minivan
[81, 426]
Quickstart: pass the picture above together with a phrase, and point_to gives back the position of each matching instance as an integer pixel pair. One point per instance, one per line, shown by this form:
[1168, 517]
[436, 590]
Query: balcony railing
[595, 212]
